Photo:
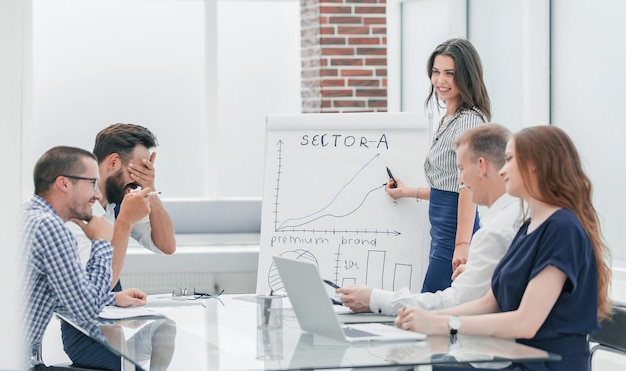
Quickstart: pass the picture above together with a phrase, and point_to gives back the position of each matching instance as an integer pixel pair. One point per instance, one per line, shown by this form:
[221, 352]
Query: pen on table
[395, 184]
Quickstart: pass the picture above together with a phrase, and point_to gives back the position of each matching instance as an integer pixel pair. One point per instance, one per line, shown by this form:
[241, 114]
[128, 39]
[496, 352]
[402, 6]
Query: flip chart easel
[324, 198]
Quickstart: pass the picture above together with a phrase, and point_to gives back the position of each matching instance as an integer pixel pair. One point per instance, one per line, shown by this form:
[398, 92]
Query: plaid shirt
[53, 273]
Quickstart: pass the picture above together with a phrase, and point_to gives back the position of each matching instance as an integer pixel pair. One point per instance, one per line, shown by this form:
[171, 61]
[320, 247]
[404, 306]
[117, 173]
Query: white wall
[512, 37]
[588, 100]
[258, 48]
[496, 30]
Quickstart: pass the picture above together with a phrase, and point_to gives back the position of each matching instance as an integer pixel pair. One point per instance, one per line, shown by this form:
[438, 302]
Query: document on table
[113, 312]
[166, 300]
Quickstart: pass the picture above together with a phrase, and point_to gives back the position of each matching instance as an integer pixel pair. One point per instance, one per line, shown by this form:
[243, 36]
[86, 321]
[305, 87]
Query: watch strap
[455, 324]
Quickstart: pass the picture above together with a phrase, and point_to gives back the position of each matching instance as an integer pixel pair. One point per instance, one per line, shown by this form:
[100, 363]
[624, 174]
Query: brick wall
[344, 55]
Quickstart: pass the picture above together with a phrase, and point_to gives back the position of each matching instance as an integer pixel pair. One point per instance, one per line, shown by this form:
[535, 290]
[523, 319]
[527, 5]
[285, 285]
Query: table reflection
[213, 335]
[148, 341]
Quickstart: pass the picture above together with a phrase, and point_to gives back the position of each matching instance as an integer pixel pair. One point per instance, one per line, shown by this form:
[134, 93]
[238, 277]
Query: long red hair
[550, 153]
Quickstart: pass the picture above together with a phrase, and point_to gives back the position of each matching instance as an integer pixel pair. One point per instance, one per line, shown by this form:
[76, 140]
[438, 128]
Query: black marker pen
[394, 185]
[332, 284]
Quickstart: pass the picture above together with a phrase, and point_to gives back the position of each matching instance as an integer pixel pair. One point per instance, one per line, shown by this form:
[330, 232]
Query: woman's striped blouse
[440, 164]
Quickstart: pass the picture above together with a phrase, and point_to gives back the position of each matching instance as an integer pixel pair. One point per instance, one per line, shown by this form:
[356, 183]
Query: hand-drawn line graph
[292, 224]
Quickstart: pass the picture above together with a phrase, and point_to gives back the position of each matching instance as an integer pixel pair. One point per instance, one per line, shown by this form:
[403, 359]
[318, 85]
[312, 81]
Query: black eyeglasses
[191, 294]
[94, 180]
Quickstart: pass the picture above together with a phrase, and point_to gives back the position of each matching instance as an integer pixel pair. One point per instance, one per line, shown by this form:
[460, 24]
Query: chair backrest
[612, 335]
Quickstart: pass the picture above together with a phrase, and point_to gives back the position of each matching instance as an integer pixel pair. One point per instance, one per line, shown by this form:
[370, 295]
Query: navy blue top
[562, 242]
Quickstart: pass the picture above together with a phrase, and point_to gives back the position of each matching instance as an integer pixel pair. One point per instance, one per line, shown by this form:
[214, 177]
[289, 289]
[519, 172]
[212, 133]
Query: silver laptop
[315, 312]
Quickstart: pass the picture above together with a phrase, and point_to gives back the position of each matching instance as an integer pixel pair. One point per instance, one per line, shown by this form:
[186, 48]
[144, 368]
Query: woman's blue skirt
[442, 213]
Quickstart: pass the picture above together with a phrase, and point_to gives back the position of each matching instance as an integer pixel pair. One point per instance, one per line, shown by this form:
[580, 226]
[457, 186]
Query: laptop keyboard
[352, 332]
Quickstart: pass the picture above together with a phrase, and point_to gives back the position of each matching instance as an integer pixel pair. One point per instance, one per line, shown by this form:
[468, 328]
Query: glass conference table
[222, 334]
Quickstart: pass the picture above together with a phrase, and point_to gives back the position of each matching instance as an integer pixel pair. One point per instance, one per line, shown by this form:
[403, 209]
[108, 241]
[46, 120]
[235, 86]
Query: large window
[202, 75]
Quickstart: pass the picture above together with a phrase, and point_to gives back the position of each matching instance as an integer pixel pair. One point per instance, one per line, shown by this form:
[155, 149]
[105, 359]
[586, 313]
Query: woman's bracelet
[461, 243]
[417, 195]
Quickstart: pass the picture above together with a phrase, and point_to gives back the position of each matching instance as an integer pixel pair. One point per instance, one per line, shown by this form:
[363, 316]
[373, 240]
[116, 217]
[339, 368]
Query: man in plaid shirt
[66, 185]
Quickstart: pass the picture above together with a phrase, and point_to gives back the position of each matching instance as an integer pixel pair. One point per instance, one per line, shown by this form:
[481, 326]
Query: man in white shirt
[125, 164]
[480, 155]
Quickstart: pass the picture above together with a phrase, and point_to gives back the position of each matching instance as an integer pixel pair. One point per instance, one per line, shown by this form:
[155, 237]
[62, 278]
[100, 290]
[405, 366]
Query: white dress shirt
[498, 227]
[141, 232]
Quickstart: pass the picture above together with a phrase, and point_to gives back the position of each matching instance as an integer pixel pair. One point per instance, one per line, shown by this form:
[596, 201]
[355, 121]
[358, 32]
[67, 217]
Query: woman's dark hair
[468, 75]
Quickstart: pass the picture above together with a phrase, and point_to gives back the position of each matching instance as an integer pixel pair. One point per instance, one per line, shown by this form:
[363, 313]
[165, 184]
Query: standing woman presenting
[456, 76]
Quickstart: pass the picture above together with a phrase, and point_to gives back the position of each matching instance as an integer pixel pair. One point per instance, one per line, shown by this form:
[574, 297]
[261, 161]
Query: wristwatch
[455, 324]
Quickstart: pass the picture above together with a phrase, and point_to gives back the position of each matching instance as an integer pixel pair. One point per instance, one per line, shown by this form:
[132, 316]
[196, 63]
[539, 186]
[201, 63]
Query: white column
[210, 98]
[14, 42]
[536, 63]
